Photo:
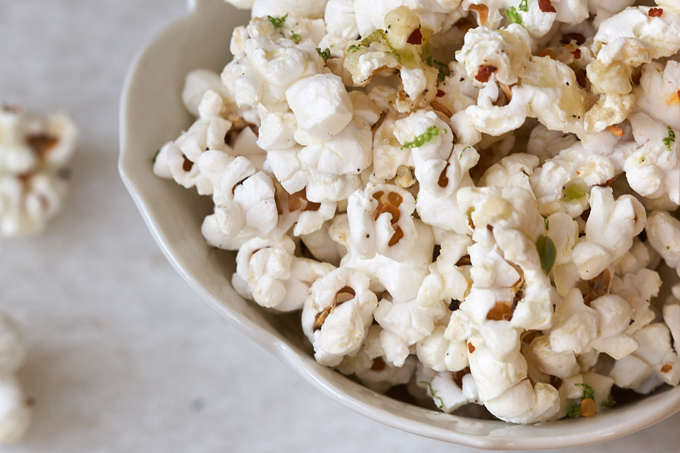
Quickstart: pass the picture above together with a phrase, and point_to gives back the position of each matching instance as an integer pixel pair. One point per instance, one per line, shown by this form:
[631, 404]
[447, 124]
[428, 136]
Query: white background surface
[122, 356]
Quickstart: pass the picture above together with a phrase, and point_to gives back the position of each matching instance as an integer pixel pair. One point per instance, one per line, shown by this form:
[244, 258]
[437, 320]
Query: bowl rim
[668, 404]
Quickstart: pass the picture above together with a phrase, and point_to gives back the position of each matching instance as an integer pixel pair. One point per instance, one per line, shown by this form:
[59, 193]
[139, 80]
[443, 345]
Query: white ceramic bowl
[152, 114]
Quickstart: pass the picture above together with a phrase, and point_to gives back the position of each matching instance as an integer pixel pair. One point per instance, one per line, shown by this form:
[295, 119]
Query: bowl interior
[152, 114]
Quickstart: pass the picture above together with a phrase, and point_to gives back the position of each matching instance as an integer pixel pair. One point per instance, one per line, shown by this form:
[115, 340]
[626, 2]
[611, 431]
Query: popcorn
[279, 8]
[659, 93]
[373, 165]
[437, 352]
[435, 15]
[653, 170]
[449, 278]
[629, 39]
[172, 163]
[663, 232]
[34, 153]
[384, 241]
[196, 85]
[15, 408]
[440, 167]
[409, 321]
[576, 325]
[268, 273]
[340, 19]
[388, 155]
[547, 144]
[321, 106]
[337, 314]
[503, 53]
[604, 9]
[559, 364]
[267, 70]
[401, 44]
[563, 182]
[297, 28]
[638, 289]
[370, 367]
[656, 361]
[505, 389]
[610, 230]
[448, 391]
[547, 90]
[322, 247]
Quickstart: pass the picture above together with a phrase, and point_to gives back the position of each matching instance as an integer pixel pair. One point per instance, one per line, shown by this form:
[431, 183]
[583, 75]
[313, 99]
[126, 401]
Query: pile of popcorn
[15, 408]
[469, 198]
[34, 152]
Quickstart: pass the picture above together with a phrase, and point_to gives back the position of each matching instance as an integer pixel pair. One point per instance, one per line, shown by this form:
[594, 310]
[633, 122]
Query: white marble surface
[122, 356]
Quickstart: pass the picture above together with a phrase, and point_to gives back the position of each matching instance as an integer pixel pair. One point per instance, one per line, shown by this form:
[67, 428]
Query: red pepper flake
[581, 78]
[485, 72]
[569, 37]
[655, 12]
[440, 93]
[415, 38]
[546, 6]
[471, 348]
[577, 54]
[666, 368]
[607, 183]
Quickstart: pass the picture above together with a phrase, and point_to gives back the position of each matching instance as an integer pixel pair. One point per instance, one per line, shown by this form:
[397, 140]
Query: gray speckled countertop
[122, 355]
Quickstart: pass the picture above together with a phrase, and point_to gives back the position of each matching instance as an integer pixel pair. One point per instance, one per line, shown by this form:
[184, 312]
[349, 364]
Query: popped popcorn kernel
[467, 199]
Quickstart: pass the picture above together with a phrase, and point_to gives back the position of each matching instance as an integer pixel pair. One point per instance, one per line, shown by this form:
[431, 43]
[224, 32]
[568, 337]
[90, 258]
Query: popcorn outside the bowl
[15, 408]
[466, 198]
[34, 155]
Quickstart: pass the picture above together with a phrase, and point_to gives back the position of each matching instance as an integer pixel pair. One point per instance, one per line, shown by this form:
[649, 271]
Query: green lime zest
[588, 393]
[430, 134]
[403, 56]
[325, 54]
[295, 38]
[523, 6]
[513, 16]
[278, 22]
[434, 395]
[574, 411]
[443, 68]
[670, 138]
